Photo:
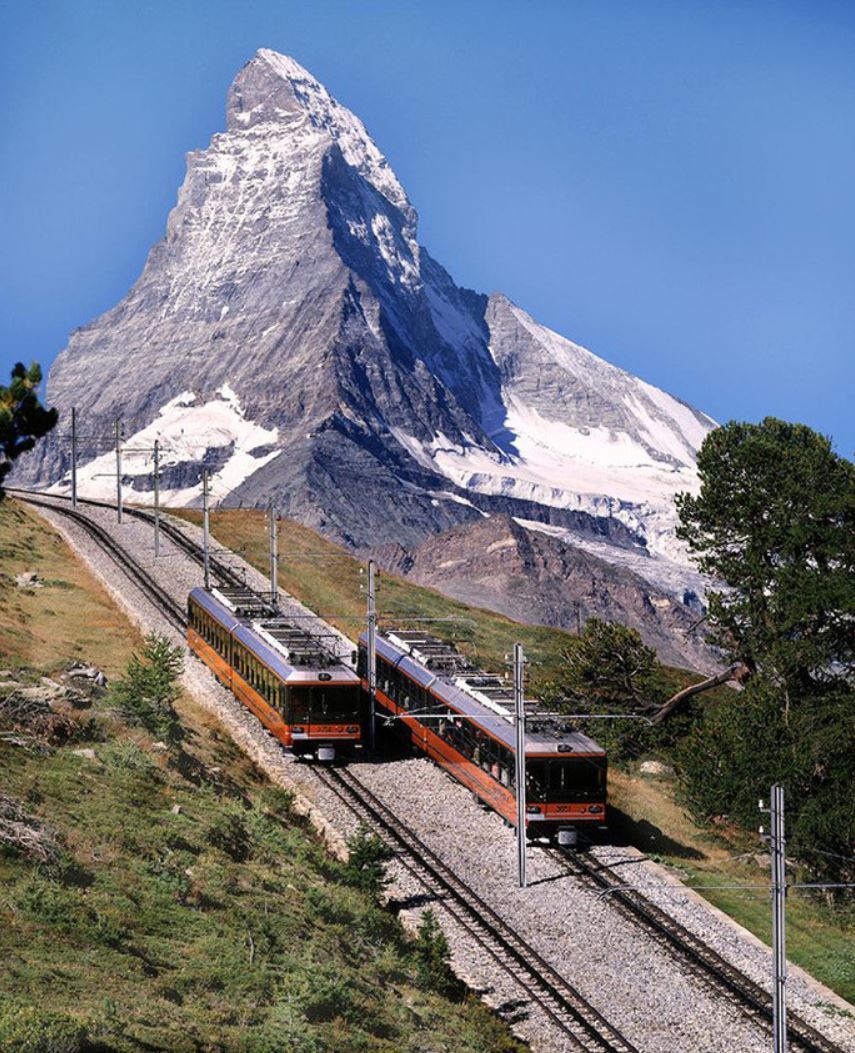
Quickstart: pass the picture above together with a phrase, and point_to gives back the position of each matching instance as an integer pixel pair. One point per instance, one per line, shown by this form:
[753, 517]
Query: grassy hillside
[645, 810]
[69, 616]
[187, 910]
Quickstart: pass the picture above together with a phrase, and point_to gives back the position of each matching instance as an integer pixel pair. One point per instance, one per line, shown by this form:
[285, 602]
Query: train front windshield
[325, 704]
[566, 780]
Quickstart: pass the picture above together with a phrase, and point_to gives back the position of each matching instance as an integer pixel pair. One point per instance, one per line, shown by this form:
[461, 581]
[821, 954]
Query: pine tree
[774, 526]
[23, 419]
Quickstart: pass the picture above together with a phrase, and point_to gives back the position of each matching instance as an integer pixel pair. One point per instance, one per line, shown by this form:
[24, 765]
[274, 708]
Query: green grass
[224, 927]
[70, 618]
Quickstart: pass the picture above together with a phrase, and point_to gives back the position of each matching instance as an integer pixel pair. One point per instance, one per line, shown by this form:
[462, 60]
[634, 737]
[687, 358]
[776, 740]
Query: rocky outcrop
[533, 577]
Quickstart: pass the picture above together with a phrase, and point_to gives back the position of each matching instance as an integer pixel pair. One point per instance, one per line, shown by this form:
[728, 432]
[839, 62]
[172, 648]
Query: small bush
[366, 864]
[123, 757]
[147, 692]
[433, 959]
[26, 1029]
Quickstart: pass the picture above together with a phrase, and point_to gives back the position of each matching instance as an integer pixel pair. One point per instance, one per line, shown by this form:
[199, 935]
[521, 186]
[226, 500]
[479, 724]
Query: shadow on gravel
[422, 899]
[625, 830]
[514, 1010]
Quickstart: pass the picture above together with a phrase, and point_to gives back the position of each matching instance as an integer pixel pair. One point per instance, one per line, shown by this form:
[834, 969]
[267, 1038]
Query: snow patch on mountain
[187, 433]
[682, 582]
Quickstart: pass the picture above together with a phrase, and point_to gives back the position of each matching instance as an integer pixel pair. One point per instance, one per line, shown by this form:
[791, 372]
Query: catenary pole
[519, 711]
[206, 531]
[118, 469]
[274, 558]
[74, 457]
[779, 919]
[156, 498]
[372, 654]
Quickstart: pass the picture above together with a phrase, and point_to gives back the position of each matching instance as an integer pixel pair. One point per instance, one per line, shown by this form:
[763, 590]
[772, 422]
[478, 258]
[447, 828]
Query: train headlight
[595, 809]
[298, 730]
[534, 809]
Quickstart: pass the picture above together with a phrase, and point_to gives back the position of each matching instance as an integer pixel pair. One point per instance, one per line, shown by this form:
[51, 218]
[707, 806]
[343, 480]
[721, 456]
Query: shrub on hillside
[433, 959]
[147, 692]
[228, 832]
[366, 863]
[26, 1029]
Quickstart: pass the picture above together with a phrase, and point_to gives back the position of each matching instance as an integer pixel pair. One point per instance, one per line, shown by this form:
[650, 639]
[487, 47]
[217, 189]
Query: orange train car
[462, 718]
[302, 693]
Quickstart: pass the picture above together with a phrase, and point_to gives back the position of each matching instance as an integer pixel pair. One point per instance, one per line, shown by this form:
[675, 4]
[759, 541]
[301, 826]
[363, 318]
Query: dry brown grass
[70, 617]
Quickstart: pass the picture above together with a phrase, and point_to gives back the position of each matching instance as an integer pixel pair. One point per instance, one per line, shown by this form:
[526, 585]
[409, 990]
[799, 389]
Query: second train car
[462, 718]
[302, 692]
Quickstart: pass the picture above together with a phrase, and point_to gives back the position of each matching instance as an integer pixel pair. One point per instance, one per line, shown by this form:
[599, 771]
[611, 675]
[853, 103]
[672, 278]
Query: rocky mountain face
[534, 577]
[290, 334]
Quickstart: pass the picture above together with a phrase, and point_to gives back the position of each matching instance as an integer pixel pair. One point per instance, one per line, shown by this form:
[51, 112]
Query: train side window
[536, 779]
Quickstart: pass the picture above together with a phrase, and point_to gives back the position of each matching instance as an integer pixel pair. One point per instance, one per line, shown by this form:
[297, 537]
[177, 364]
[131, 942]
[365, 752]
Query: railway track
[586, 1028]
[227, 574]
[558, 998]
[704, 961]
[161, 599]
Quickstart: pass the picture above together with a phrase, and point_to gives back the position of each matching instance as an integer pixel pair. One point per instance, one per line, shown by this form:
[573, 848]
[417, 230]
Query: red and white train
[305, 695]
[463, 719]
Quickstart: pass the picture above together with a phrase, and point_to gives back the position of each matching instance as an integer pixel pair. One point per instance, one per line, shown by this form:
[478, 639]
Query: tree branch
[736, 672]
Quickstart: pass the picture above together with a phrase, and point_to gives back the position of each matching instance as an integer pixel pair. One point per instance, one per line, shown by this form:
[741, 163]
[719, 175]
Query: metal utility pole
[779, 918]
[118, 469]
[206, 530]
[519, 711]
[156, 498]
[372, 655]
[274, 558]
[74, 457]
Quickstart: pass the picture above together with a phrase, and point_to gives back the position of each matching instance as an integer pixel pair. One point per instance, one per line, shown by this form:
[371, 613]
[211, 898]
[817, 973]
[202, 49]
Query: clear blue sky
[668, 183]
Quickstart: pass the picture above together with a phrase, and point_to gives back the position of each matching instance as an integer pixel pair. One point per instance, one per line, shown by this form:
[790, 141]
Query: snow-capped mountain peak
[271, 88]
[290, 330]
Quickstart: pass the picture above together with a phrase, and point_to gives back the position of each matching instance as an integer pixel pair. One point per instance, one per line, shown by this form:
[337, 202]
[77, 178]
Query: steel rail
[155, 593]
[569, 1009]
[706, 962]
[226, 573]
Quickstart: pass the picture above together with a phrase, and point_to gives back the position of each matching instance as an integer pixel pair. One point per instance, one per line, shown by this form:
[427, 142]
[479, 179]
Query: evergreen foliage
[433, 959]
[23, 419]
[148, 690]
[774, 523]
[366, 864]
[612, 671]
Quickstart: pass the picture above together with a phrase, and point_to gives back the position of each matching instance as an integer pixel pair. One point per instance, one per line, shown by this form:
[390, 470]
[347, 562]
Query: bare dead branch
[25, 832]
[735, 672]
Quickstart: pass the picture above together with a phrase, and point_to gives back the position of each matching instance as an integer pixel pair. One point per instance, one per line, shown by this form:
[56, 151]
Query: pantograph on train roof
[296, 643]
[490, 690]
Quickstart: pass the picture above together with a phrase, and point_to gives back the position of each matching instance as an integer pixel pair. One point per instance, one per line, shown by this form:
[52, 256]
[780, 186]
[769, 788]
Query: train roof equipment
[438, 665]
[283, 646]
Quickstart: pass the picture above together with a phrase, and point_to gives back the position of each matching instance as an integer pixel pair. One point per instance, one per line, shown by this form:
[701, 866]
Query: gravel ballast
[643, 990]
